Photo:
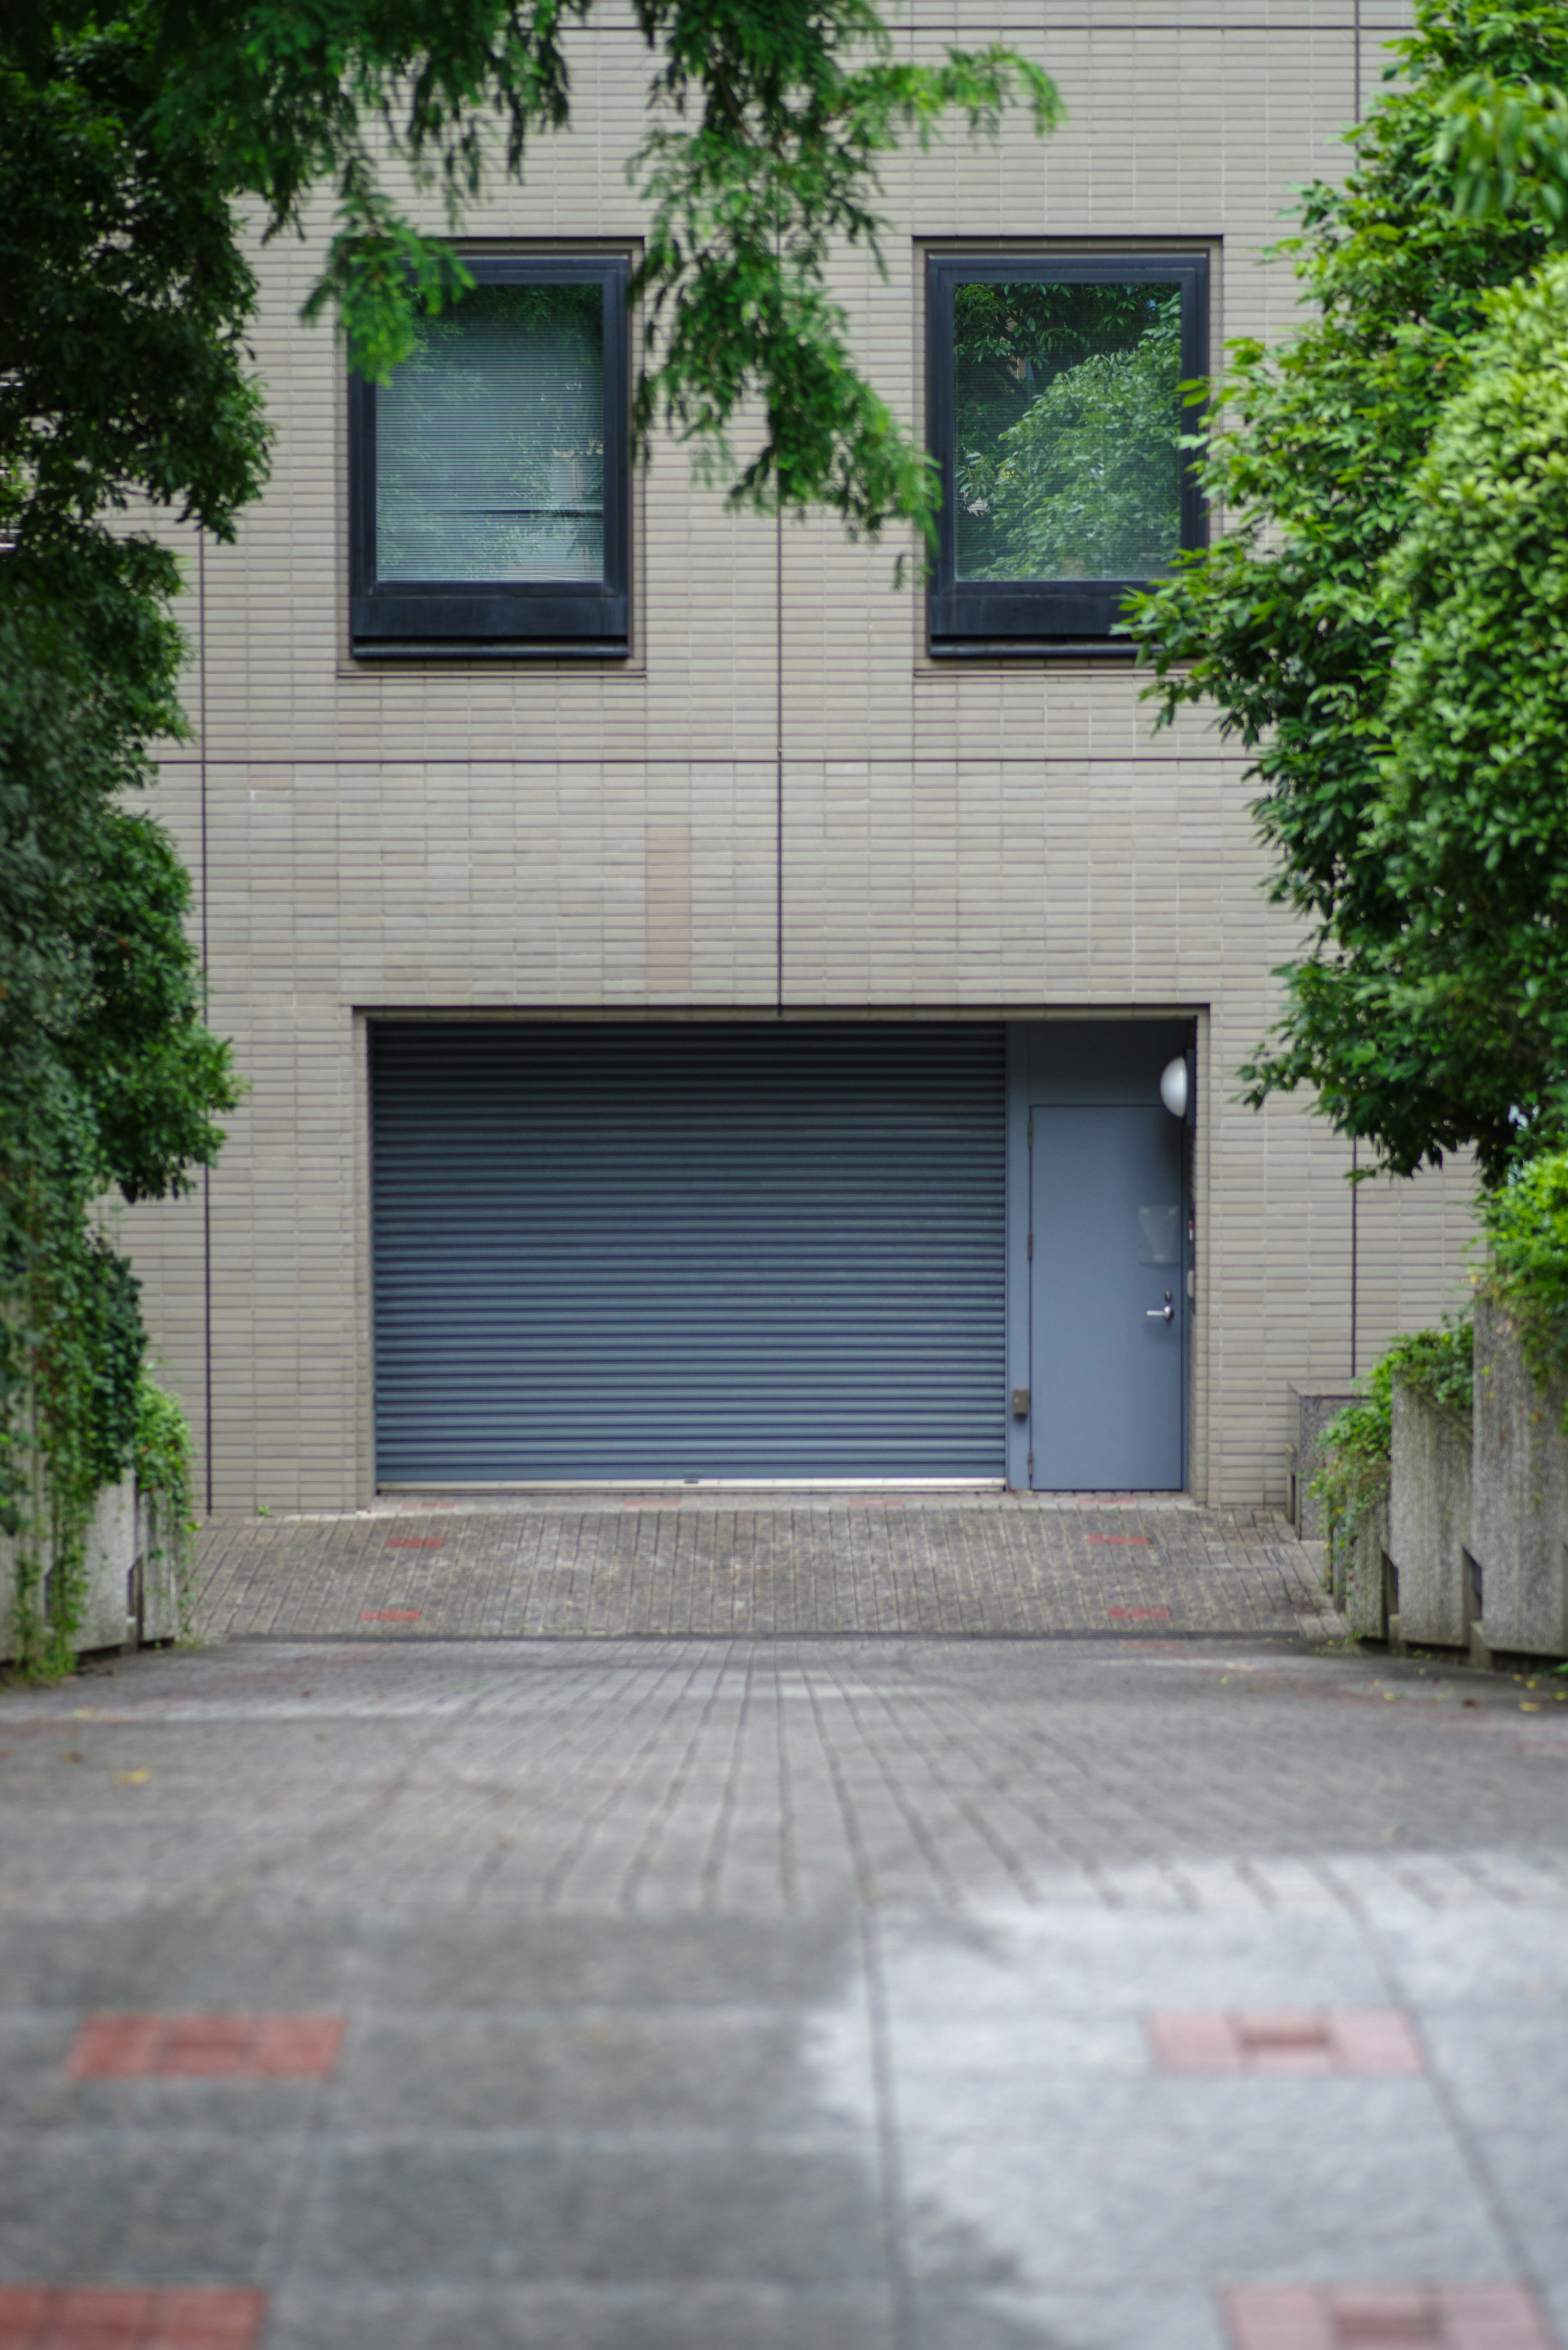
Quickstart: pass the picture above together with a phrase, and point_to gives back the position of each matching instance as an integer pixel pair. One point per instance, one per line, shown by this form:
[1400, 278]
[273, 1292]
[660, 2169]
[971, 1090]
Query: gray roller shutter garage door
[715, 1250]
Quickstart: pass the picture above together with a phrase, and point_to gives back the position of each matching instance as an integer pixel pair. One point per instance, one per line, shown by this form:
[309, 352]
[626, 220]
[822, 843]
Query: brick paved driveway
[610, 1566]
[1140, 1993]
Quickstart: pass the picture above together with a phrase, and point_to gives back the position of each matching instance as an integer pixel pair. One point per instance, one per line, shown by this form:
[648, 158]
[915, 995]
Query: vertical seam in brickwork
[778, 756]
[1354, 1268]
[206, 1171]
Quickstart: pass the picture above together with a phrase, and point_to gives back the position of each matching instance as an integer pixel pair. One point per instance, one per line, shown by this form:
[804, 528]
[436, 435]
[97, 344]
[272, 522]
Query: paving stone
[453, 2207]
[1047, 2184]
[253, 2047]
[156, 2206]
[106, 2317]
[169, 1955]
[706, 2067]
[1366, 2317]
[690, 2316]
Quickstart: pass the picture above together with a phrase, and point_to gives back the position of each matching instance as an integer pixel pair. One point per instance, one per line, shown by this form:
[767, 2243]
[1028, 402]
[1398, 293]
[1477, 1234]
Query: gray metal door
[715, 1250]
[1107, 1308]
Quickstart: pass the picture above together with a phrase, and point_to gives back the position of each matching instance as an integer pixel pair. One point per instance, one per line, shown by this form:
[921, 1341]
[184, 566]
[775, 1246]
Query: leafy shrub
[1359, 1440]
[70, 1365]
[1438, 1364]
[164, 1473]
[1358, 1446]
[1526, 1225]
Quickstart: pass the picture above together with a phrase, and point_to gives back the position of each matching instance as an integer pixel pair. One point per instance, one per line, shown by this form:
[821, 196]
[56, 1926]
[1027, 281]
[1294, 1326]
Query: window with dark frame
[1055, 419]
[490, 478]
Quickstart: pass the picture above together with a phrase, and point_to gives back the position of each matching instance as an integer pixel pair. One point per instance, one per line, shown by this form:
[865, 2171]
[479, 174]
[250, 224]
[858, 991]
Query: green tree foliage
[1509, 141]
[123, 294]
[122, 302]
[1318, 621]
[780, 166]
[1470, 816]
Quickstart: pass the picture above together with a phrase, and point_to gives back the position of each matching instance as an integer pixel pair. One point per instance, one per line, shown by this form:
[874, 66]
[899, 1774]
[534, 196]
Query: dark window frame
[426, 620]
[985, 619]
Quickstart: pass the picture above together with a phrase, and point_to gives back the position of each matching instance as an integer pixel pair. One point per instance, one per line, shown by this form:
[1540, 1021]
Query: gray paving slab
[1505, 2065]
[688, 2317]
[1257, 2177]
[1099, 2317]
[714, 2068]
[449, 2206]
[176, 2206]
[781, 1992]
[1037, 1977]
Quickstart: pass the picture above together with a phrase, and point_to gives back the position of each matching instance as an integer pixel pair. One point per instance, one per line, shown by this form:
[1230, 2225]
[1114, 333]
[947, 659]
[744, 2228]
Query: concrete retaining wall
[155, 1578]
[1519, 1500]
[133, 1584]
[1360, 1574]
[1430, 1522]
[1314, 1409]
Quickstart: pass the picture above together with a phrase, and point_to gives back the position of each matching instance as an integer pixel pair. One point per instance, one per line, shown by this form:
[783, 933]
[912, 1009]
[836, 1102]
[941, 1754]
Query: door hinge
[1031, 1244]
[1031, 1134]
[1032, 1467]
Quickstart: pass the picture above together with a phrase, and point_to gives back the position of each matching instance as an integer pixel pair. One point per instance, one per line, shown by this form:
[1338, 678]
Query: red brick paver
[207, 2047]
[389, 1615]
[115, 2317]
[1138, 1615]
[1373, 2317]
[1286, 2040]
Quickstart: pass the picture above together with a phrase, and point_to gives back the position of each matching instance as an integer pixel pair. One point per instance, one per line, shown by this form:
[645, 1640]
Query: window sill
[442, 652]
[945, 651]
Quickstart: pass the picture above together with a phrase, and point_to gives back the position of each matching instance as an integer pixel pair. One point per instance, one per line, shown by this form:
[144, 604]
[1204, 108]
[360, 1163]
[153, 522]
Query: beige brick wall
[537, 839]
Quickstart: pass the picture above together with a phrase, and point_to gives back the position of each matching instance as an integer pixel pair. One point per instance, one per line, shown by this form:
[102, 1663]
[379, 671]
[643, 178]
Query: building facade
[705, 1007]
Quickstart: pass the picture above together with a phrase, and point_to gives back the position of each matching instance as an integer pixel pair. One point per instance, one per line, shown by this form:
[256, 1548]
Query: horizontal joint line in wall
[942, 26]
[999, 26]
[737, 759]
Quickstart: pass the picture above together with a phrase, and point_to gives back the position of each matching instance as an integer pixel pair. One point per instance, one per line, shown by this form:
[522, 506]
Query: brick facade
[559, 840]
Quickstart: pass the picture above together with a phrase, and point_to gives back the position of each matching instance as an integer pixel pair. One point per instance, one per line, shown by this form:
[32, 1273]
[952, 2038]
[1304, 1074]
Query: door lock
[1020, 1403]
[1166, 1313]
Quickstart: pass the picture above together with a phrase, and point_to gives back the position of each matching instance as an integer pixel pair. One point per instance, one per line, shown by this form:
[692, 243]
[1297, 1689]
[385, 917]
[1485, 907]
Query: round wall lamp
[1173, 1086]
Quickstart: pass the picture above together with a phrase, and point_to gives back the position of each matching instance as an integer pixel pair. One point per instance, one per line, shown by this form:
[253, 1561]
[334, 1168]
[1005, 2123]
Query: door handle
[1166, 1313]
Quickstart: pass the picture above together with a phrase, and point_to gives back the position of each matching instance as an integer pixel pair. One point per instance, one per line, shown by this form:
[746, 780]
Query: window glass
[1066, 421]
[490, 454]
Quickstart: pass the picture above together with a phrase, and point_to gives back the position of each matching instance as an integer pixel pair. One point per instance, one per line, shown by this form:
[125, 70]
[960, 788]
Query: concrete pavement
[897, 1994]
